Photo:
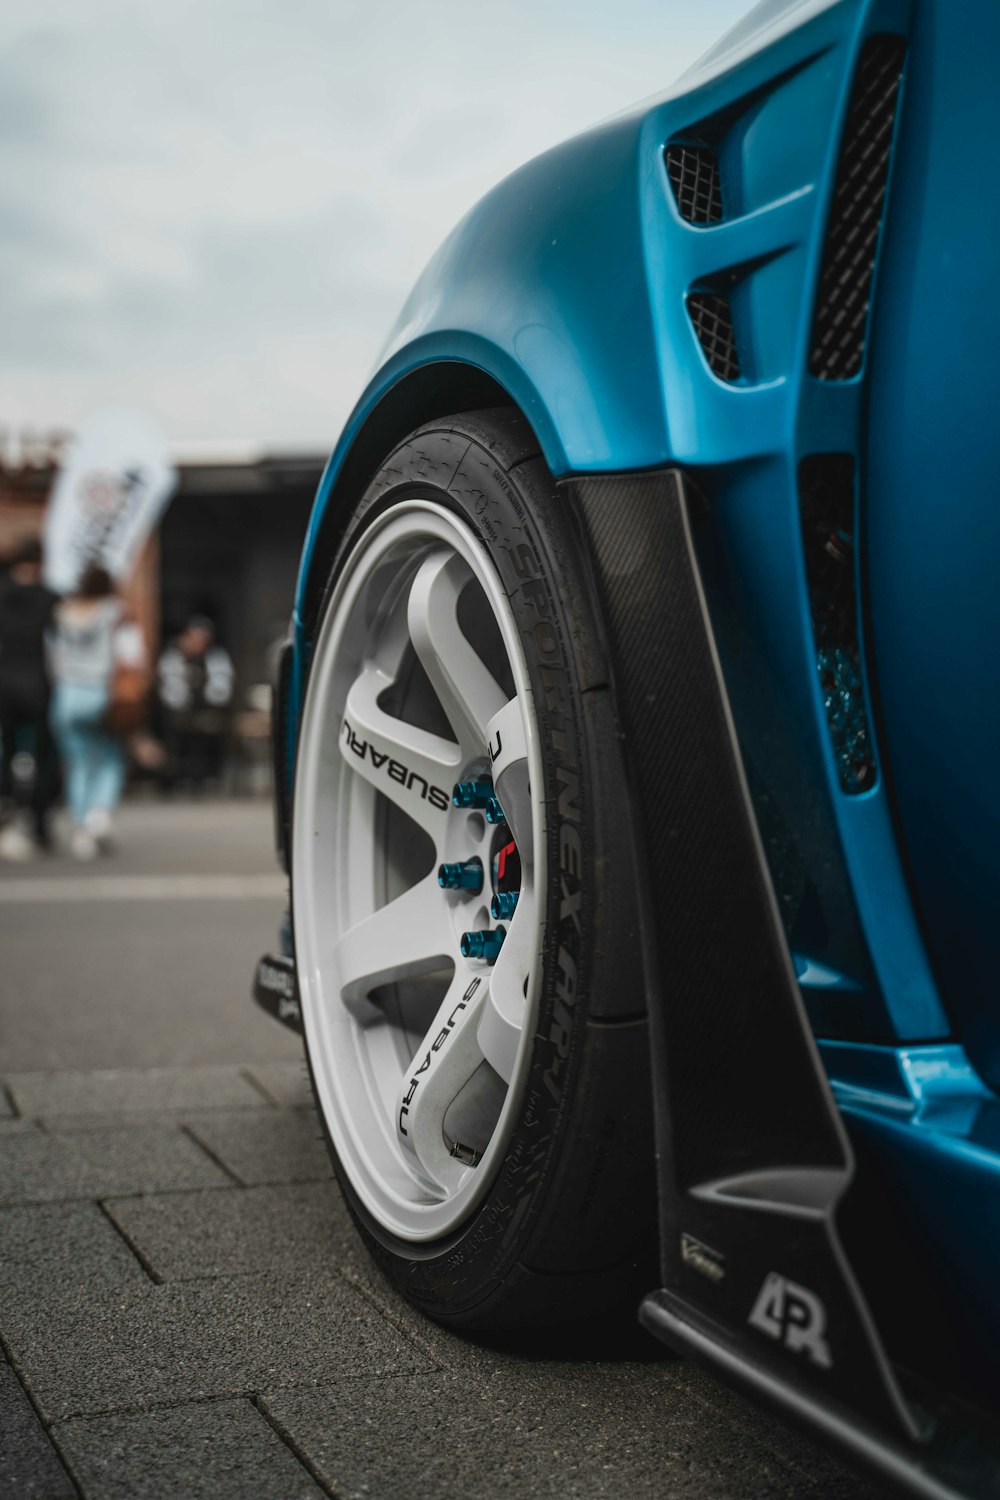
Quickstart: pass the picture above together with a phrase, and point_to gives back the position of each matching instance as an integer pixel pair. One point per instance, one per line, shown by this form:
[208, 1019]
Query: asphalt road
[184, 1308]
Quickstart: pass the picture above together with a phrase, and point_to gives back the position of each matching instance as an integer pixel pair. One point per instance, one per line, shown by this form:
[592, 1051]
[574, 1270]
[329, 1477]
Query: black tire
[567, 1229]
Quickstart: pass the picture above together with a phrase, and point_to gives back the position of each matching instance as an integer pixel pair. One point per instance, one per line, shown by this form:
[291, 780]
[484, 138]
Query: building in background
[227, 547]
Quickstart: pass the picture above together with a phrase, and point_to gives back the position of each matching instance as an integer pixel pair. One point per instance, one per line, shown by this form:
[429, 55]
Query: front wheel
[463, 894]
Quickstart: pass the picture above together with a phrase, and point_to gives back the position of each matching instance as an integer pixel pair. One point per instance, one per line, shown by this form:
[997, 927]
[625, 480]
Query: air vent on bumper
[712, 318]
[840, 317]
[694, 177]
[826, 501]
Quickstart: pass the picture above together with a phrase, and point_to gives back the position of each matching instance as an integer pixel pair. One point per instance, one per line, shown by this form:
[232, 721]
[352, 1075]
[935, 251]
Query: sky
[214, 209]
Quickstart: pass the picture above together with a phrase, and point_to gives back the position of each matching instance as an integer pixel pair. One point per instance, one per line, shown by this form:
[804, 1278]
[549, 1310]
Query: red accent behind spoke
[502, 857]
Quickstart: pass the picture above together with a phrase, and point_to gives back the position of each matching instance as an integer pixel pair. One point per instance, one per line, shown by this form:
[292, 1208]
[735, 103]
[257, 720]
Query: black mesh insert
[826, 504]
[713, 323]
[694, 177]
[841, 314]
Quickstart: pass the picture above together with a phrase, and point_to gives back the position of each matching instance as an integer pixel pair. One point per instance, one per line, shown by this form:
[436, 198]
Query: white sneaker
[83, 844]
[98, 825]
[15, 844]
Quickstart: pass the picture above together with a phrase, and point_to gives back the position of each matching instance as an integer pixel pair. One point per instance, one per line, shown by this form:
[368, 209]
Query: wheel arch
[437, 387]
[435, 376]
[517, 309]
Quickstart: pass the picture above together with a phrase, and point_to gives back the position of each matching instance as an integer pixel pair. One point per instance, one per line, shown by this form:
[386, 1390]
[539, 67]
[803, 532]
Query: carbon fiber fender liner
[753, 1159]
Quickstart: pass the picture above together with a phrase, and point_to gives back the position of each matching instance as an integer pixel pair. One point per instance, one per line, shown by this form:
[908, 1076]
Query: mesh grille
[712, 318]
[826, 500]
[838, 334]
[694, 177]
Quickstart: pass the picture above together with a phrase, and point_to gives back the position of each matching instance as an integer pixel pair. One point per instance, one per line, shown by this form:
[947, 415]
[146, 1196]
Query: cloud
[215, 209]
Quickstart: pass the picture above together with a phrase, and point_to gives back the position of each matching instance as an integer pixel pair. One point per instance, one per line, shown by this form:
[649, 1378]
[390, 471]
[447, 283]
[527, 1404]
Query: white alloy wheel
[419, 1050]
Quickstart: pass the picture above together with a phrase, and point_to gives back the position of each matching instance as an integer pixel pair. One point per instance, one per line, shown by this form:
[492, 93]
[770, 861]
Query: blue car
[637, 743]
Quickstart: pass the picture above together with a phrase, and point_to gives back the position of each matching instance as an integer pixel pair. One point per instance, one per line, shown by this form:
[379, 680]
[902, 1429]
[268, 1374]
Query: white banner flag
[108, 496]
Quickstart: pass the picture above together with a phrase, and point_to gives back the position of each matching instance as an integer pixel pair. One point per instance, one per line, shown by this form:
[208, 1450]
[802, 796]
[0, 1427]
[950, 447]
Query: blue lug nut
[483, 944]
[472, 794]
[503, 904]
[494, 812]
[467, 876]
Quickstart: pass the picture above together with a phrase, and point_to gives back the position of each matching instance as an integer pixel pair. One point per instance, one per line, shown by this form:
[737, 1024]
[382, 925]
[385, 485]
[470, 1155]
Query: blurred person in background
[93, 641]
[26, 609]
[194, 684]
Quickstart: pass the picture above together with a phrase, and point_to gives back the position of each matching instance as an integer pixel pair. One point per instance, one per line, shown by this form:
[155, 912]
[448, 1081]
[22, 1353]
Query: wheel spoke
[414, 769]
[508, 753]
[408, 936]
[502, 1020]
[442, 1065]
[469, 693]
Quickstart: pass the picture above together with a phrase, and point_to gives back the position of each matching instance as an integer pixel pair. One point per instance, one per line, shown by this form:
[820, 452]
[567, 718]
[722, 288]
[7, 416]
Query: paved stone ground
[184, 1308]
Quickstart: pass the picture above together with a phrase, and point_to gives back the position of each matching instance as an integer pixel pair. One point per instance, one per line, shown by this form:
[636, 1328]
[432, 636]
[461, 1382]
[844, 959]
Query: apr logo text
[794, 1316]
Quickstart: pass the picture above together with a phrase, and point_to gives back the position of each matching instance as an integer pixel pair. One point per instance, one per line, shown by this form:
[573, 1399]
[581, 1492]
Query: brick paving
[185, 1309]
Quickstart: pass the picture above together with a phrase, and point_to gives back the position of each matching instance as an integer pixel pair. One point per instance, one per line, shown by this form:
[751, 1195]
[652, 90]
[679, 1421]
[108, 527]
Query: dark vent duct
[826, 504]
[712, 318]
[840, 318]
[694, 177]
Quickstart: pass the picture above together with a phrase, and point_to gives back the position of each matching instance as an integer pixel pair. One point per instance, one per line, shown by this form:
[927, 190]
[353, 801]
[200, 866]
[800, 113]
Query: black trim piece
[694, 177]
[276, 990]
[837, 347]
[827, 512]
[281, 755]
[712, 319]
[753, 1158]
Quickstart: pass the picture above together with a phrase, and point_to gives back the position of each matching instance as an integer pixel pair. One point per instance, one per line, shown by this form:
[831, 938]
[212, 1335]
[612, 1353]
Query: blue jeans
[93, 761]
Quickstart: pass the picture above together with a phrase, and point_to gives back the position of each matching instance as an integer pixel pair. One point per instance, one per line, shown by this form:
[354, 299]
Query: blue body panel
[934, 536]
[567, 285]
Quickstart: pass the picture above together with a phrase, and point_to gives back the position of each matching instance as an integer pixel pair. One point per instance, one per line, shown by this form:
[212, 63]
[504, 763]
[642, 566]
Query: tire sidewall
[548, 591]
